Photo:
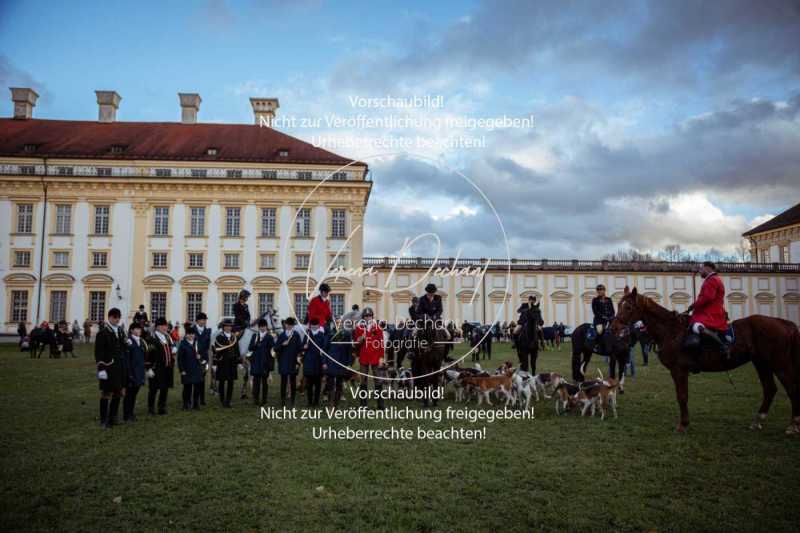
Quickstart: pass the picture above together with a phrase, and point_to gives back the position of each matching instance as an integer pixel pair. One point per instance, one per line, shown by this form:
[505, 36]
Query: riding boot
[723, 348]
[113, 410]
[104, 412]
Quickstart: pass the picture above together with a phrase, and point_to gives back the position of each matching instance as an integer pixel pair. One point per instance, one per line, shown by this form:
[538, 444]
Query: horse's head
[629, 311]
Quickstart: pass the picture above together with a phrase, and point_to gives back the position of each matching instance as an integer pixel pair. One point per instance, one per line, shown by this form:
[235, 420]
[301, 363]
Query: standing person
[226, 360]
[76, 330]
[190, 364]
[22, 331]
[87, 331]
[319, 308]
[160, 367]
[110, 354]
[371, 346]
[350, 318]
[288, 347]
[137, 354]
[203, 336]
[313, 358]
[175, 333]
[261, 361]
[337, 365]
[64, 340]
[141, 316]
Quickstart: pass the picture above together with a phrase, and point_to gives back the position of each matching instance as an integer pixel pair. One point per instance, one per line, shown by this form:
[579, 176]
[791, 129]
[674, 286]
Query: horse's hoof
[681, 429]
[756, 426]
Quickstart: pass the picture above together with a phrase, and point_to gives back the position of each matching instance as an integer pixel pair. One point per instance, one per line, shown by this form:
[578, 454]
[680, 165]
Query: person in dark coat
[63, 340]
[137, 353]
[203, 337]
[160, 367]
[226, 360]
[22, 331]
[141, 316]
[241, 313]
[261, 361]
[288, 347]
[110, 354]
[190, 364]
[316, 344]
[430, 307]
[337, 364]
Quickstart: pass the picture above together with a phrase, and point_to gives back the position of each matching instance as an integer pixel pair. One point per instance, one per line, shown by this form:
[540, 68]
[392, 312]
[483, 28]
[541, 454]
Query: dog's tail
[600, 373]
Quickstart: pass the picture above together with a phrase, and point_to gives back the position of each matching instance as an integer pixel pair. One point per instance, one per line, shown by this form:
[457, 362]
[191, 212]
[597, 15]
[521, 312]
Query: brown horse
[772, 344]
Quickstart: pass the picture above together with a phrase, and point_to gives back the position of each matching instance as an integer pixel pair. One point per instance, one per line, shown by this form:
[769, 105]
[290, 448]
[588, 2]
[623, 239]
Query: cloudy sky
[653, 122]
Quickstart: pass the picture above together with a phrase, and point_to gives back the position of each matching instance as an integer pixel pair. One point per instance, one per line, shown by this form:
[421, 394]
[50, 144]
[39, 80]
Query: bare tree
[673, 252]
[743, 251]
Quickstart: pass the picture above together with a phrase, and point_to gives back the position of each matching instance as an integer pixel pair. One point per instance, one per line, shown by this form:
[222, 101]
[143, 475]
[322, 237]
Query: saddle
[693, 344]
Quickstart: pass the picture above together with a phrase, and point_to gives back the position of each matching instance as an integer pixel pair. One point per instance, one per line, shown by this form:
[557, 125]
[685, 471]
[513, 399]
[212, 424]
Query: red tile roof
[157, 140]
[787, 218]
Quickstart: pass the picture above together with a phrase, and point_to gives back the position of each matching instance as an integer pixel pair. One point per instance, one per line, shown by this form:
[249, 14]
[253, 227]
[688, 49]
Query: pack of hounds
[517, 388]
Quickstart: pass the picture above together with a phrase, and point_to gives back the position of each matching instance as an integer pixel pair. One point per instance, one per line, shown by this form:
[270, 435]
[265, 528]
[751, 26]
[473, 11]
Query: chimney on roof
[109, 103]
[264, 110]
[24, 100]
[190, 105]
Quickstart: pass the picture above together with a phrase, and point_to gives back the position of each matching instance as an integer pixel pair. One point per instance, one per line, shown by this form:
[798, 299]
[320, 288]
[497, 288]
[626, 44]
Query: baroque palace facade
[181, 216]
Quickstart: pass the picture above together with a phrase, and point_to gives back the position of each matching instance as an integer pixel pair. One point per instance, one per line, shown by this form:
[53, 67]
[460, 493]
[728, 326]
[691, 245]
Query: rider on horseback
[429, 313]
[708, 311]
[603, 310]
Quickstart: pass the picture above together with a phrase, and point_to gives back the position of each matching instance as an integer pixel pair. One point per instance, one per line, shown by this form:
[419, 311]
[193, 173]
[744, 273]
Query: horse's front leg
[681, 378]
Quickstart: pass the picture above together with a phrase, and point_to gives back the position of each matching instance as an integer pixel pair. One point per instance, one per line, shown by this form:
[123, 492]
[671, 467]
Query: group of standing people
[59, 338]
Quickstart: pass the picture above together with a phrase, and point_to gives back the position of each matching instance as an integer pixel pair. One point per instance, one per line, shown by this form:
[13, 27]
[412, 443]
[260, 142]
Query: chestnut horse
[772, 344]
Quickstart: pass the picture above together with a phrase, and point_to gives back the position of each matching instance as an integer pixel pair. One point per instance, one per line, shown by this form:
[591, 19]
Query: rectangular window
[163, 172]
[765, 256]
[337, 305]
[58, 306]
[338, 217]
[63, 219]
[24, 218]
[194, 304]
[19, 306]
[266, 303]
[234, 173]
[27, 170]
[161, 221]
[304, 174]
[199, 173]
[159, 259]
[61, 259]
[228, 300]
[302, 227]
[97, 306]
[302, 261]
[338, 262]
[300, 306]
[784, 254]
[231, 261]
[233, 218]
[269, 174]
[197, 221]
[339, 176]
[99, 259]
[158, 305]
[103, 171]
[22, 259]
[101, 219]
[65, 171]
[268, 221]
[266, 261]
[196, 260]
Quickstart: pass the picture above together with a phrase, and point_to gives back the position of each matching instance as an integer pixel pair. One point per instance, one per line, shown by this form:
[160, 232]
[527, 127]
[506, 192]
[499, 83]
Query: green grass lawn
[227, 470]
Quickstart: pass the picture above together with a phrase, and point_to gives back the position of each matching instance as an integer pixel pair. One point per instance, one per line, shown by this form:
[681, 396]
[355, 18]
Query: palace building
[180, 216]
[777, 240]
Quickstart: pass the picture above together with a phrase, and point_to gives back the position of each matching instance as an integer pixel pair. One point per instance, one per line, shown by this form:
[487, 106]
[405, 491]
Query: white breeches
[697, 327]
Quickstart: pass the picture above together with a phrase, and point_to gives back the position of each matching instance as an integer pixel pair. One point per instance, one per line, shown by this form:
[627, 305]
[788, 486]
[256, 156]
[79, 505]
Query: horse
[616, 347]
[527, 341]
[428, 360]
[772, 344]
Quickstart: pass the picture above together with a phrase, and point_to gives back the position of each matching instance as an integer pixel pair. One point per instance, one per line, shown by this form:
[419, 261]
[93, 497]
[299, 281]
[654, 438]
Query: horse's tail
[795, 347]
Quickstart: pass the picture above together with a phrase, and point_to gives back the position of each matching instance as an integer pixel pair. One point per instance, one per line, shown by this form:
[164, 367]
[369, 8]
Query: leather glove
[150, 373]
[102, 375]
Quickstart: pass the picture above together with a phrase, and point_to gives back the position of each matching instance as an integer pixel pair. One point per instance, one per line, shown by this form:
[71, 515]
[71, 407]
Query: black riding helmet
[430, 288]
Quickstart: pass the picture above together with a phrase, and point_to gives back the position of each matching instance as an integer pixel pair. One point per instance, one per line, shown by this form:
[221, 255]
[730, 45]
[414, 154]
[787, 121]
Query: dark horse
[527, 341]
[616, 347]
[772, 344]
[428, 360]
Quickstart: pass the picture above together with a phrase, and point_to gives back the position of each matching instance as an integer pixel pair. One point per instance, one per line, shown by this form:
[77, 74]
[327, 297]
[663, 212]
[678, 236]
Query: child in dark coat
[288, 347]
[137, 352]
[191, 366]
[337, 364]
[261, 361]
[313, 358]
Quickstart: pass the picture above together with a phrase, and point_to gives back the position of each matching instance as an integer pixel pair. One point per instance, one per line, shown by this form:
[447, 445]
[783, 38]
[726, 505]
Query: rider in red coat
[320, 307]
[708, 311]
